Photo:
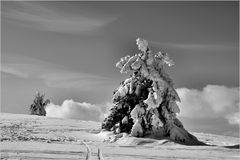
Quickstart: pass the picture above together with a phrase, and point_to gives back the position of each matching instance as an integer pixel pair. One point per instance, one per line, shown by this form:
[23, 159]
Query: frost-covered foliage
[145, 103]
[38, 106]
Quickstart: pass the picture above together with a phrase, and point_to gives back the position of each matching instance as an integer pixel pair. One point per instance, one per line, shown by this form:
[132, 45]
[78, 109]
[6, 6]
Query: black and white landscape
[176, 95]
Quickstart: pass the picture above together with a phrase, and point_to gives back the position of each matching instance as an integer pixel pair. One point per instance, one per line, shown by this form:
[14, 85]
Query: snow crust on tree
[147, 99]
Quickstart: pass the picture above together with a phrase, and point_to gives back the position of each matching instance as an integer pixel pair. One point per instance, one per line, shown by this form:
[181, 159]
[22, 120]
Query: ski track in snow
[36, 138]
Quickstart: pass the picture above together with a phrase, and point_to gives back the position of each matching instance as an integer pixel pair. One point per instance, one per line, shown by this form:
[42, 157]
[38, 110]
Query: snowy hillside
[34, 137]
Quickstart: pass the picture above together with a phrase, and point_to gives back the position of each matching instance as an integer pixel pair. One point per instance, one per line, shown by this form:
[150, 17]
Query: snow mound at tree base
[180, 135]
[177, 136]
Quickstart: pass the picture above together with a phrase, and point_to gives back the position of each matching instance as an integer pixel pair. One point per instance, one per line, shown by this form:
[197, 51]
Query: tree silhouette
[38, 106]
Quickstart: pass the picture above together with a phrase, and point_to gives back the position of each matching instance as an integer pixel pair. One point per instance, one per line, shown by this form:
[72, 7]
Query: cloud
[194, 47]
[75, 110]
[52, 75]
[24, 66]
[234, 118]
[46, 18]
[65, 79]
[212, 102]
[13, 71]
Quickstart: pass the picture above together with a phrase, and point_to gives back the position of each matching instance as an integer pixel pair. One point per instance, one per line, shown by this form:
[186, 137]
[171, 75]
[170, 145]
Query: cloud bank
[75, 110]
[212, 102]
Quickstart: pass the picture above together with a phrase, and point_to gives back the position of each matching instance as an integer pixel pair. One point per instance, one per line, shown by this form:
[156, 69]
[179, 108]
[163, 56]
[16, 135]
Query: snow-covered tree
[38, 106]
[145, 104]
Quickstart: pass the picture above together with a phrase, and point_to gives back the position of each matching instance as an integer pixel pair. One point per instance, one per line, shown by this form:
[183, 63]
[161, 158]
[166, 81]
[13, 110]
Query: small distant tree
[38, 106]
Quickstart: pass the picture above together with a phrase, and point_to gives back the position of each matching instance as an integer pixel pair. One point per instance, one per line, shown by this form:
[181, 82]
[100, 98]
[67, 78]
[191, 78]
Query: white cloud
[234, 118]
[52, 75]
[192, 46]
[212, 102]
[45, 18]
[24, 66]
[65, 79]
[13, 71]
[75, 110]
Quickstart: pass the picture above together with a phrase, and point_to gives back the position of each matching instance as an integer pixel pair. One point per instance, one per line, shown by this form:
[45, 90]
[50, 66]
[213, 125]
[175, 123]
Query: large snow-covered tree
[146, 103]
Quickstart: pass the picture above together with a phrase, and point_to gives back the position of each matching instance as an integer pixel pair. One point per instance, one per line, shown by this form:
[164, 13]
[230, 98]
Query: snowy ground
[34, 137]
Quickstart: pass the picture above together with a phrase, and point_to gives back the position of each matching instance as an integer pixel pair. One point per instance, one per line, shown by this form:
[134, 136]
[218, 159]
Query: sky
[68, 50]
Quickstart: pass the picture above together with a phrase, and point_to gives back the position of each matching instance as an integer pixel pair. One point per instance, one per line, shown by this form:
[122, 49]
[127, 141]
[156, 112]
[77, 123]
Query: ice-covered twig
[142, 44]
[165, 58]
